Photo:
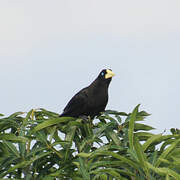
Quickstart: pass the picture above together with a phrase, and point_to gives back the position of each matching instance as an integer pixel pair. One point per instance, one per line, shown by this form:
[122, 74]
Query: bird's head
[106, 74]
[104, 78]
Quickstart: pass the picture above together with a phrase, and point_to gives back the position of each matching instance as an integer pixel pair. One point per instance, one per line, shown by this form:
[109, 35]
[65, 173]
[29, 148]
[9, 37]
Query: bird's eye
[102, 74]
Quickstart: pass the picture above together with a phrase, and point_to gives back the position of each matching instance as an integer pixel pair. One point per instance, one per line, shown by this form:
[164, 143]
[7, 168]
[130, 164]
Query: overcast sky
[49, 50]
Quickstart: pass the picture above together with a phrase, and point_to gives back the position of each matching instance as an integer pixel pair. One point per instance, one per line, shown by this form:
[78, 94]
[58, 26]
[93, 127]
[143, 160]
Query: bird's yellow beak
[109, 74]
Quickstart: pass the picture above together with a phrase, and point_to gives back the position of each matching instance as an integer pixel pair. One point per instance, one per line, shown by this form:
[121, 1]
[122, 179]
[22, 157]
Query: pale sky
[49, 50]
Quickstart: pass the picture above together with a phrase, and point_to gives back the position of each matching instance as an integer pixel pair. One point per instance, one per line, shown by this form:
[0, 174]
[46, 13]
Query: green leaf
[164, 171]
[84, 155]
[83, 169]
[151, 140]
[11, 148]
[175, 152]
[70, 134]
[12, 137]
[106, 164]
[116, 156]
[69, 138]
[85, 142]
[15, 114]
[51, 122]
[103, 128]
[22, 164]
[167, 177]
[29, 114]
[131, 126]
[167, 151]
[143, 113]
[143, 136]
[138, 126]
[114, 137]
[48, 178]
[141, 156]
[40, 156]
[22, 149]
[116, 113]
[49, 113]
[155, 139]
[110, 171]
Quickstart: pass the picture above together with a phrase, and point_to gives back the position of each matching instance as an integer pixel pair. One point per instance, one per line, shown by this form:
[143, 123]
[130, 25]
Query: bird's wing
[76, 105]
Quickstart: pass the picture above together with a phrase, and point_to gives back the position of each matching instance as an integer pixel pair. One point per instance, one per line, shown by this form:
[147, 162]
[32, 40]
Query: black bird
[92, 100]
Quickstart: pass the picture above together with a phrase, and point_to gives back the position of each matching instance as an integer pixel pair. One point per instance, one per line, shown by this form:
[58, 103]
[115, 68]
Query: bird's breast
[98, 98]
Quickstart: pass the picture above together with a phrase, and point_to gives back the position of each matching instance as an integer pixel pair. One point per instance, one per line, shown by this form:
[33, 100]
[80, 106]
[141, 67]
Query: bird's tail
[63, 115]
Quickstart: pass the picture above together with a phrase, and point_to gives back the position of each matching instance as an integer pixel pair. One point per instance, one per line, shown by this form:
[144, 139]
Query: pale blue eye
[102, 74]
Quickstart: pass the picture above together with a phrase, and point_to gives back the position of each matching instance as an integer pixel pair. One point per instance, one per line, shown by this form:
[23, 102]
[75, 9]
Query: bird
[91, 100]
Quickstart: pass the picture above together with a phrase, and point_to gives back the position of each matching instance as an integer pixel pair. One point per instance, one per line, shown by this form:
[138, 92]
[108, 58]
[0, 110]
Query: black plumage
[92, 100]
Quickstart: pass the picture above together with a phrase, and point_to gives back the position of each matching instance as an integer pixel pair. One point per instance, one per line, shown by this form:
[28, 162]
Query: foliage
[41, 145]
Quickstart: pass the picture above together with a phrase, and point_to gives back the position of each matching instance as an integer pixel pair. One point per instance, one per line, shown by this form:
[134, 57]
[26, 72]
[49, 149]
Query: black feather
[91, 100]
